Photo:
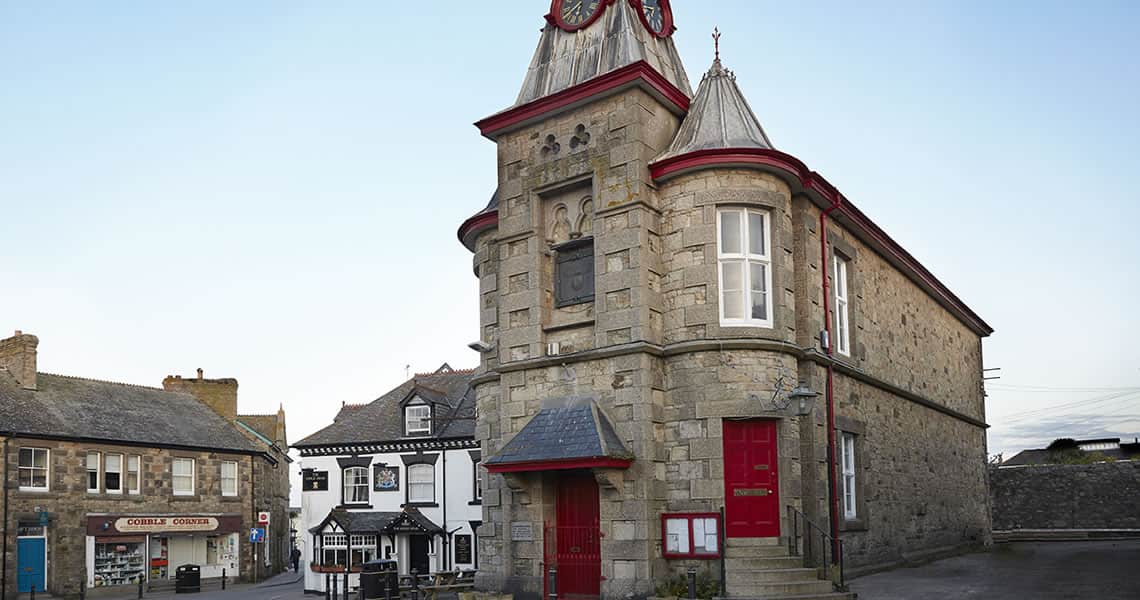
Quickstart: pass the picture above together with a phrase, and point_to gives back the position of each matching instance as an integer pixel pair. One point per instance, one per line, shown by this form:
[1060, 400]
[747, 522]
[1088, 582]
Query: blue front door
[30, 564]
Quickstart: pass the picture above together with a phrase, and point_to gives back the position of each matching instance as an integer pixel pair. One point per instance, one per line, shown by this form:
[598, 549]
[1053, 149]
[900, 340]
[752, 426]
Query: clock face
[657, 17]
[572, 15]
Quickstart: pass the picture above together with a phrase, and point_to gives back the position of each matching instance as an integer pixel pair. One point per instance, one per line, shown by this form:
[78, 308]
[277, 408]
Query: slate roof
[564, 59]
[382, 420]
[578, 431]
[71, 407]
[1043, 457]
[377, 522]
[719, 118]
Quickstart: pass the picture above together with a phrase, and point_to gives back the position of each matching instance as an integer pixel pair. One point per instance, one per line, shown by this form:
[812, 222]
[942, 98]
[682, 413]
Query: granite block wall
[1096, 496]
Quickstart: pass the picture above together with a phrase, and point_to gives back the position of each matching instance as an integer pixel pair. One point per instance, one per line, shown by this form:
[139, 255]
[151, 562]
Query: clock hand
[575, 9]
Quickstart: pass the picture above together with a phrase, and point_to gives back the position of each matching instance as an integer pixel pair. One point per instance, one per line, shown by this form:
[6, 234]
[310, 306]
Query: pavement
[283, 586]
[1023, 571]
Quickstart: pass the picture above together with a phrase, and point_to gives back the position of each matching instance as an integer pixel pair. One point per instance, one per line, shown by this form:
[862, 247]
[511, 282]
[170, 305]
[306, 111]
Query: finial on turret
[716, 41]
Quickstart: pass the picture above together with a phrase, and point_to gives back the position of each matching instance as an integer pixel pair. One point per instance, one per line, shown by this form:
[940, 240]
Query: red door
[751, 479]
[578, 556]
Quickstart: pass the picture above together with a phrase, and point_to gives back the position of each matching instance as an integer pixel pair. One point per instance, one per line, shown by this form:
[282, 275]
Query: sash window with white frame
[133, 470]
[229, 478]
[33, 469]
[417, 418]
[113, 476]
[356, 485]
[842, 302]
[93, 472]
[421, 483]
[183, 471]
[744, 262]
[847, 454]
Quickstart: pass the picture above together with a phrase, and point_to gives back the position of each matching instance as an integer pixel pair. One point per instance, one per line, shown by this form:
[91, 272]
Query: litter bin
[188, 578]
[380, 579]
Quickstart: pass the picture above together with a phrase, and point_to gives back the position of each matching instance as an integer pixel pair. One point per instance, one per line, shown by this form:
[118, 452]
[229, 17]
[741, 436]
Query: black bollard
[692, 583]
[140, 588]
[346, 584]
[83, 589]
[328, 589]
[552, 592]
[33, 591]
[415, 585]
[335, 592]
[223, 578]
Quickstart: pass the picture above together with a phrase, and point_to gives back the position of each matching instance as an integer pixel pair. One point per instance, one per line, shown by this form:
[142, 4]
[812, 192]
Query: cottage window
[183, 476]
[363, 549]
[847, 453]
[478, 481]
[133, 463]
[745, 267]
[574, 273]
[229, 478]
[421, 483]
[114, 473]
[356, 485]
[334, 550]
[842, 321]
[33, 469]
[417, 419]
[93, 472]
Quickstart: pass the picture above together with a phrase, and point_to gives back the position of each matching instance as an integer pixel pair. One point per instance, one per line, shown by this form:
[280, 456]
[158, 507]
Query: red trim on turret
[483, 220]
[812, 182]
[560, 465]
[638, 72]
[554, 17]
[666, 14]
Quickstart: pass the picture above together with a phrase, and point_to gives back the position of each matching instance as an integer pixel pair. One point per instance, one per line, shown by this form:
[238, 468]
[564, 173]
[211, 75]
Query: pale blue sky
[270, 190]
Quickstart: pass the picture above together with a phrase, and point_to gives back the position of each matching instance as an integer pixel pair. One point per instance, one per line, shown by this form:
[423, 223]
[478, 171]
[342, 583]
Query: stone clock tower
[664, 342]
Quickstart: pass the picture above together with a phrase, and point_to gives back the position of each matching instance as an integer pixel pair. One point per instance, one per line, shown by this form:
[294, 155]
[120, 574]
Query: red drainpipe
[832, 482]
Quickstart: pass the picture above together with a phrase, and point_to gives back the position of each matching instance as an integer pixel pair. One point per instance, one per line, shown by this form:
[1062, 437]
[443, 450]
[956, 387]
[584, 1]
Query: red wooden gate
[751, 479]
[573, 544]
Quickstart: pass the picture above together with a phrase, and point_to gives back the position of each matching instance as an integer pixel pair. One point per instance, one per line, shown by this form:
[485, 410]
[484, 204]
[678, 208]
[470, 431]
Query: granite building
[110, 484]
[678, 318]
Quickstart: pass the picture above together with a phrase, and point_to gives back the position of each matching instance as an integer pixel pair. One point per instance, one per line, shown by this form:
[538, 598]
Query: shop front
[127, 549]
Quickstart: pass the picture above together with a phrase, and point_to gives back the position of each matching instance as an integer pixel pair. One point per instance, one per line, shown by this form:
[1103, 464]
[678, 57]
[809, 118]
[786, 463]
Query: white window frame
[842, 305]
[424, 419]
[354, 485]
[335, 542]
[413, 485]
[233, 478]
[365, 545]
[747, 258]
[31, 469]
[478, 484]
[137, 473]
[174, 476]
[847, 457]
[107, 471]
[89, 470]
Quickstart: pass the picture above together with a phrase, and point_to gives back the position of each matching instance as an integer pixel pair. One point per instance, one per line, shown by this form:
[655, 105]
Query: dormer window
[417, 419]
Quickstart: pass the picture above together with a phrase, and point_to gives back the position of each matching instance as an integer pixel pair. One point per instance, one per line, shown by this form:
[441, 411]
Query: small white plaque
[521, 531]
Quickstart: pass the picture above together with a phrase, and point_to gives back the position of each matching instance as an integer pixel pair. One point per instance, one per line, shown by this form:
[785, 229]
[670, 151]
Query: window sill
[356, 505]
[855, 524]
[420, 505]
[184, 498]
[475, 503]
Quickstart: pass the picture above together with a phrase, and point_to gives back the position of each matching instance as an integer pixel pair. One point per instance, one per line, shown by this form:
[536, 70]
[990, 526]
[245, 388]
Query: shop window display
[119, 563]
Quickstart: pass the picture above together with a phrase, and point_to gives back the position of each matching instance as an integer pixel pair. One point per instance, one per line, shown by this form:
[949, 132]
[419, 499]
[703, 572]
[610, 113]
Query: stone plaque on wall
[521, 531]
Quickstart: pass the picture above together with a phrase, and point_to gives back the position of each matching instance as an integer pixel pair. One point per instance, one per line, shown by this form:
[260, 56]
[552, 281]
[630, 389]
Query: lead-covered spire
[719, 118]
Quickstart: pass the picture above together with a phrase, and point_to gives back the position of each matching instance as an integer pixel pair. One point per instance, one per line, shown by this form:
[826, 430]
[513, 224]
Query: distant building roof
[75, 408]
[1121, 451]
[382, 420]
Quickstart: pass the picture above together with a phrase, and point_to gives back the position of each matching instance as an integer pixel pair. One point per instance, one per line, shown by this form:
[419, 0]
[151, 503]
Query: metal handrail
[817, 547]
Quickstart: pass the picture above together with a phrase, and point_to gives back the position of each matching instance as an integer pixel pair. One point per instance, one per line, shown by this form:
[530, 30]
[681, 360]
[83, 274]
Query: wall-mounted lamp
[803, 398]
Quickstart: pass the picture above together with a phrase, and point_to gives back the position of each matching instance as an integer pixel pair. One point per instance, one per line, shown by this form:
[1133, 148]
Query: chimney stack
[219, 394]
[18, 355]
[199, 373]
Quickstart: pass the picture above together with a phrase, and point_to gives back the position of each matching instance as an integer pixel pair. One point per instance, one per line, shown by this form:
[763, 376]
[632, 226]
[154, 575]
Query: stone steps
[744, 577]
[779, 588]
[763, 562]
[760, 568]
[827, 596]
[755, 552]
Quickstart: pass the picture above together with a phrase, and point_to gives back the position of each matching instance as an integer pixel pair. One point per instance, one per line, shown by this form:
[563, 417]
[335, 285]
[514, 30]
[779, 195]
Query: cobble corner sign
[160, 524]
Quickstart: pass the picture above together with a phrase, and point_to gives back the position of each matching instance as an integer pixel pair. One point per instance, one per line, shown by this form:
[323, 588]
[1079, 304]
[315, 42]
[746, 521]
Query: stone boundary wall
[1097, 496]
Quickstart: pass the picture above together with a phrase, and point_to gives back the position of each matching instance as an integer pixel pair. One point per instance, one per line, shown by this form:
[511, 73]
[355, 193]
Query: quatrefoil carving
[551, 146]
[581, 137]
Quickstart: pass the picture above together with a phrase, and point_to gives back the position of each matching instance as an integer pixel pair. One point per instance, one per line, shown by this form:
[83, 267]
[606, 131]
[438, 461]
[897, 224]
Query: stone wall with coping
[1096, 496]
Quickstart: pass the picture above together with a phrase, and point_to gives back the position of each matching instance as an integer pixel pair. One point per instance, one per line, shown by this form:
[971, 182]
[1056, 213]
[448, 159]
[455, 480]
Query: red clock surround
[667, 27]
[555, 15]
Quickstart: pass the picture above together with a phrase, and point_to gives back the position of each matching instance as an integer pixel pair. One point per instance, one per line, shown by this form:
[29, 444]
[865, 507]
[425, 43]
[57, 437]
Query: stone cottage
[678, 319]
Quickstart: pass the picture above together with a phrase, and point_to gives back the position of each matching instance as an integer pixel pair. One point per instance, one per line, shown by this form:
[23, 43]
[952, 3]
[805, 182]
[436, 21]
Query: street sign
[256, 535]
[44, 518]
[263, 518]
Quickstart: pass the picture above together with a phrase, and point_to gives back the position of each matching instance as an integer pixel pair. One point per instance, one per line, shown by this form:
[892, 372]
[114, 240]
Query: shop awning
[573, 436]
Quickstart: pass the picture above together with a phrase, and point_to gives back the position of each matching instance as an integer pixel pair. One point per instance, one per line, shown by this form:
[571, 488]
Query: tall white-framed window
[33, 469]
[229, 478]
[744, 263]
[93, 472]
[478, 483]
[113, 473]
[356, 485]
[334, 550]
[183, 476]
[363, 549]
[417, 419]
[134, 481]
[842, 303]
[847, 452]
[421, 483]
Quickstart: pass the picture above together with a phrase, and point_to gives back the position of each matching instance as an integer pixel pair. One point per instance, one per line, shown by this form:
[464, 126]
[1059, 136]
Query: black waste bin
[380, 579]
[188, 579]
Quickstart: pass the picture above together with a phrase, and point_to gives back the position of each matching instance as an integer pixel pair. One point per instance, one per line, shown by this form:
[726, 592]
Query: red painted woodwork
[666, 13]
[560, 465]
[555, 15]
[578, 534]
[640, 71]
[751, 479]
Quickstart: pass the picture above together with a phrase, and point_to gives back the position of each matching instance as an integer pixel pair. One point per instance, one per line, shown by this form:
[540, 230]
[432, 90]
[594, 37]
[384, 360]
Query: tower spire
[716, 42]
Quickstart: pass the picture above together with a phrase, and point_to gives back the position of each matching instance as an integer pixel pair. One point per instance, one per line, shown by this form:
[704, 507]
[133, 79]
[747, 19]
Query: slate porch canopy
[565, 434]
[410, 520]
